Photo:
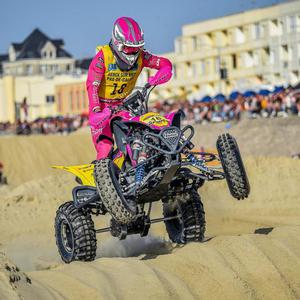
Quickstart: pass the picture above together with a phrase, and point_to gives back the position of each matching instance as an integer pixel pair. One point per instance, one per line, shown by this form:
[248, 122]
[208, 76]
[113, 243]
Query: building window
[185, 45]
[194, 70]
[58, 70]
[206, 41]
[292, 52]
[274, 28]
[224, 38]
[43, 69]
[248, 59]
[234, 61]
[217, 64]
[178, 46]
[272, 57]
[188, 69]
[255, 58]
[29, 70]
[284, 52]
[257, 31]
[293, 24]
[239, 35]
[203, 67]
[50, 99]
[194, 43]
[19, 70]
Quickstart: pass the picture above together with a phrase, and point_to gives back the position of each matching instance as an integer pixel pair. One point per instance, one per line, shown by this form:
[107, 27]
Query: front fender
[175, 117]
[84, 172]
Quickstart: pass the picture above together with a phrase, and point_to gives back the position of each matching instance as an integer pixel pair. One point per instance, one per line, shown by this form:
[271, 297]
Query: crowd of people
[50, 125]
[280, 102]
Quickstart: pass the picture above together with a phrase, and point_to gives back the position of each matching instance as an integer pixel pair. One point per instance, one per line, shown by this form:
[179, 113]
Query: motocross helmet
[127, 42]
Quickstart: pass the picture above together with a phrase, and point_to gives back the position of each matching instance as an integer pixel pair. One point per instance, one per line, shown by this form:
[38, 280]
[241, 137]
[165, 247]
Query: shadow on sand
[135, 246]
[264, 230]
[147, 247]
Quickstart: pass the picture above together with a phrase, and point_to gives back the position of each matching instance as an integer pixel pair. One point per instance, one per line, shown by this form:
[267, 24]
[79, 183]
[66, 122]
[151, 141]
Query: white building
[30, 71]
[255, 48]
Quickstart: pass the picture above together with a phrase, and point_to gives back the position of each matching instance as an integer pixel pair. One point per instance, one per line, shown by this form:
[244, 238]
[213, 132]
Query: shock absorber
[136, 148]
[140, 170]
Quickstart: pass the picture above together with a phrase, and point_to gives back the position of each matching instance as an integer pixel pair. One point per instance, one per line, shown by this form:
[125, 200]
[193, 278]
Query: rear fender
[84, 172]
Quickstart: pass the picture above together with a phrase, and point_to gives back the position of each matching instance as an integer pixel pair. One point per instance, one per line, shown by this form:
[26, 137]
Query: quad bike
[153, 160]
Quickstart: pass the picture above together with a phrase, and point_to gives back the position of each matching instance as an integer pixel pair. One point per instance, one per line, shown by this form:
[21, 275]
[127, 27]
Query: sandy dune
[227, 267]
[252, 249]
[261, 137]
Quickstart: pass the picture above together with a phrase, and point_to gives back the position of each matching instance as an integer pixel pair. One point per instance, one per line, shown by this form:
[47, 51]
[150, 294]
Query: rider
[112, 75]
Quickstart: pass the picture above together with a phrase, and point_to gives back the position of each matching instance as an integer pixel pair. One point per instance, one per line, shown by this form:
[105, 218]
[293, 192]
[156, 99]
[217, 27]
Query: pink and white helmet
[127, 40]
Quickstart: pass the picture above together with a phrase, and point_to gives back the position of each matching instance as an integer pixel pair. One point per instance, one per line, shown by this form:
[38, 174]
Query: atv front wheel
[106, 178]
[233, 166]
[190, 224]
[75, 234]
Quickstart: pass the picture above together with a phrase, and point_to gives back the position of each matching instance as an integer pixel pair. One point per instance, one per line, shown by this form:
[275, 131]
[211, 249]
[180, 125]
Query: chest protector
[117, 84]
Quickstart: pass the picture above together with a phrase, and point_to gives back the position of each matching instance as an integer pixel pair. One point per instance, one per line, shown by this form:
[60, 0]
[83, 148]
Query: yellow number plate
[154, 119]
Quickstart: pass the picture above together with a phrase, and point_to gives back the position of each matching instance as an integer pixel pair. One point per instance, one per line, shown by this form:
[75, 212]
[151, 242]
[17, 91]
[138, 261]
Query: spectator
[281, 103]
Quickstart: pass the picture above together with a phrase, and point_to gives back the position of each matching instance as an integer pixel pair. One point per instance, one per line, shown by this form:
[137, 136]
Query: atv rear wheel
[190, 224]
[233, 166]
[75, 234]
[106, 178]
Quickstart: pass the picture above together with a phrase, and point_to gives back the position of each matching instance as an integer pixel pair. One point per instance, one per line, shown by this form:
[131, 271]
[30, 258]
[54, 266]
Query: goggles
[130, 49]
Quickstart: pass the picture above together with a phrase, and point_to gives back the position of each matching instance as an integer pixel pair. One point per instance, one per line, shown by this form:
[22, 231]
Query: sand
[252, 249]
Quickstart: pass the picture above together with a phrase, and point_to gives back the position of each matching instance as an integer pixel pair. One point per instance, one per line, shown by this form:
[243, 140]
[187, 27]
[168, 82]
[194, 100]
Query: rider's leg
[102, 139]
[104, 147]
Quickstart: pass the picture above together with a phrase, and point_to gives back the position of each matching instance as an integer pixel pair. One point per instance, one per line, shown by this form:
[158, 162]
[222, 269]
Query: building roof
[17, 46]
[3, 57]
[32, 45]
[83, 63]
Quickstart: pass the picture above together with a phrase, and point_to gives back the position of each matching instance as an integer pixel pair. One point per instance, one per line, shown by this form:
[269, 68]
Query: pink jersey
[99, 111]
[97, 70]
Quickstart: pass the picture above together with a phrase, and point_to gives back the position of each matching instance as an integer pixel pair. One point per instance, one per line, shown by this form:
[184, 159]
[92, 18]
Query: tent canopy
[206, 99]
[249, 93]
[264, 92]
[220, 97]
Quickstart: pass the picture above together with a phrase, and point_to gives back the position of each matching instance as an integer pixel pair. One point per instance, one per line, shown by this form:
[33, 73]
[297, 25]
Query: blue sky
[85, 24]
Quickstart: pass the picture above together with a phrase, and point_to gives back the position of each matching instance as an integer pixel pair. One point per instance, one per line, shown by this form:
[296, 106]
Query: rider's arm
[95, 75]
[162, 64]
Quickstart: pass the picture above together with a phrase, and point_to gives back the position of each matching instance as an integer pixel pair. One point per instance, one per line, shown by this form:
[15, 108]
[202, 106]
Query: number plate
[154, 119]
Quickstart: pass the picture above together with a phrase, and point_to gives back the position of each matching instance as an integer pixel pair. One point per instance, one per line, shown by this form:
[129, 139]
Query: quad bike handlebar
[137, 102]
